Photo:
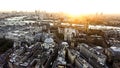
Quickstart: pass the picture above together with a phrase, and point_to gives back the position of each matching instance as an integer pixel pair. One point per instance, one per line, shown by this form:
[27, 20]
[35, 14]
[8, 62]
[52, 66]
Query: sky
[68, 6]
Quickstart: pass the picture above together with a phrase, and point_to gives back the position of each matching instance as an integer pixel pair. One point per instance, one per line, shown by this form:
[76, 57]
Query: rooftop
[117, 49]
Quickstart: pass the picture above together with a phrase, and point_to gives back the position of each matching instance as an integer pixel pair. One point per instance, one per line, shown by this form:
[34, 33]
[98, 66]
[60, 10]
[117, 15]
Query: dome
[64, 43]
[49, 40]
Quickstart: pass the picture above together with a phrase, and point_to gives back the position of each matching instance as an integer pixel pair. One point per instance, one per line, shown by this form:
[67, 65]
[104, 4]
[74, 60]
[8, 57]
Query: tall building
[86, 26]
[69, 33]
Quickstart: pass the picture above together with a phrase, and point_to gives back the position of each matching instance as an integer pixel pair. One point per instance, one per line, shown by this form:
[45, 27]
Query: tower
[86, 26]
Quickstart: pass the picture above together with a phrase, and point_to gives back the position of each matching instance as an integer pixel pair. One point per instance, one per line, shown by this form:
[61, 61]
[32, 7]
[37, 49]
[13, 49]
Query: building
[31, 57]
[60, 61]
[69, 33]
[82, 63]
[48, 43]
[76, 59]
[113, 53]
[93, 56]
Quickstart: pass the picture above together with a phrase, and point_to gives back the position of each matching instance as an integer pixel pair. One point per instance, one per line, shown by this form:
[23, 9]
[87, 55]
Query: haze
[68, 6]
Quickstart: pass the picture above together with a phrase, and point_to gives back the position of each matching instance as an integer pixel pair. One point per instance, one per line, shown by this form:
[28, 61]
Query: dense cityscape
[54, 40]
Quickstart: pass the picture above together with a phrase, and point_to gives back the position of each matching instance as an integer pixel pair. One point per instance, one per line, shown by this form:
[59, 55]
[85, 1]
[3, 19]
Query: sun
[74, 14]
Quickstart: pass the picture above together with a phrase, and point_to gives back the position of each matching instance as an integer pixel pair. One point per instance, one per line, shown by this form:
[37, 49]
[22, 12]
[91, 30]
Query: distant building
[69, 33]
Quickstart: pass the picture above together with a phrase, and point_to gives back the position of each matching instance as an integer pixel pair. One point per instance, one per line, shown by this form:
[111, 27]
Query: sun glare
[72, 7]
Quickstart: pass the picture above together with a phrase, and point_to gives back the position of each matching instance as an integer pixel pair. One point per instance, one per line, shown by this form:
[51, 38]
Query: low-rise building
[93, 55]
[113, 53]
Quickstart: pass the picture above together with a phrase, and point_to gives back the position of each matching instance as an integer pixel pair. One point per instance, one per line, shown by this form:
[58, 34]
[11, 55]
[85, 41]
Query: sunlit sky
[68, 6]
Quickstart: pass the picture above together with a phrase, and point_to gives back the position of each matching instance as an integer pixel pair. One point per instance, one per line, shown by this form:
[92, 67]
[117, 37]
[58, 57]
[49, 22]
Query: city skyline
[59, 34]
[74, 7]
